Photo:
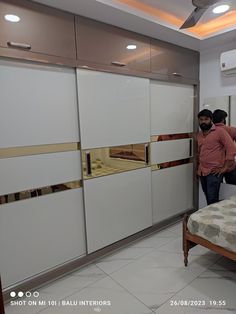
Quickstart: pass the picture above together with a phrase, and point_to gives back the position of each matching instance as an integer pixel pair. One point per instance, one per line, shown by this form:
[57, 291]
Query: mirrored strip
[170, 164]
[107, 173]
[38, 149]
[23, 195]
[110, 160]
[170, 137]
[135, 152]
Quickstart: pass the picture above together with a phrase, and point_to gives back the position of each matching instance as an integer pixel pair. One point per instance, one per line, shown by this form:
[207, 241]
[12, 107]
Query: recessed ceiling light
[131, 47]
[12, 18]
[221, 8]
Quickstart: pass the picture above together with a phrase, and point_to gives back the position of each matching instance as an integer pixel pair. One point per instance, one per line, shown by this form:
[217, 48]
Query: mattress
[216, 223]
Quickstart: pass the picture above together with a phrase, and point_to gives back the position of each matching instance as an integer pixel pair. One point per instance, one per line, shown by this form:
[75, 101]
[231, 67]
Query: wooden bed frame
[190, 240]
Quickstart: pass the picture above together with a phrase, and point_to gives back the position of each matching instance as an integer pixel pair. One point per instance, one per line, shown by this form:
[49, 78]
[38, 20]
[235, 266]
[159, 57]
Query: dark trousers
[230, 177]
[211, 187]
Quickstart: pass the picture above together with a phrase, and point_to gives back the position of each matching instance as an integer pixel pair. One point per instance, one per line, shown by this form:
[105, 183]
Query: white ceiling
[118, 13]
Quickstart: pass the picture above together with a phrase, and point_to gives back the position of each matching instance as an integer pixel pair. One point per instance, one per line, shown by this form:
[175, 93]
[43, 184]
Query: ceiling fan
[201, 7]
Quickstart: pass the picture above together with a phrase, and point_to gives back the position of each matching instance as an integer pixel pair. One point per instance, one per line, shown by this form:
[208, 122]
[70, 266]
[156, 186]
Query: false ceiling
[158, 18]
[173, 13]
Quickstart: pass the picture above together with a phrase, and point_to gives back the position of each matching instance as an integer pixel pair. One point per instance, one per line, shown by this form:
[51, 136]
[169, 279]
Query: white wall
[214, 84]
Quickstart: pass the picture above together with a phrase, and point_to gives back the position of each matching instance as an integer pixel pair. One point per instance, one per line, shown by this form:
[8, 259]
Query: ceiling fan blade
[203, 4]
[193, 18]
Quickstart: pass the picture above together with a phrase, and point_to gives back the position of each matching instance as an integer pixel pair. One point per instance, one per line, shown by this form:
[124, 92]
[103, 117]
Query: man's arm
[197, 156]
[230, 151]
[232, 132]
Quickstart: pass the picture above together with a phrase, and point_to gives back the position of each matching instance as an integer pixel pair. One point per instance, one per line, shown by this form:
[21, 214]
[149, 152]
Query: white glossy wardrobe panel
[40, 233]
[117, 206]
[28, 172]
[170, 150]
[171, 108]
[233, 111]
[113, 109]
[38, 104]
[172, 191]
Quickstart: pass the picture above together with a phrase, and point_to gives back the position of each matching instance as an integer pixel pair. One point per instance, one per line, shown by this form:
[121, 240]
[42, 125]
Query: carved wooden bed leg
[185, 240]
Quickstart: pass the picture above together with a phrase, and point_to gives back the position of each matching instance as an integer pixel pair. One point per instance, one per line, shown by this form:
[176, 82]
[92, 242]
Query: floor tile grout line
[129, 292]
[92, 263]
[153, 250]
[67, 296]
[107, 275]
[186, 285]
[76, 291]
[132, 261]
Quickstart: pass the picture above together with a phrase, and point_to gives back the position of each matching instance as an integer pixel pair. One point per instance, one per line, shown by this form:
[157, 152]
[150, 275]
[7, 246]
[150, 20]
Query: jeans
[230, 177]
[211, 187]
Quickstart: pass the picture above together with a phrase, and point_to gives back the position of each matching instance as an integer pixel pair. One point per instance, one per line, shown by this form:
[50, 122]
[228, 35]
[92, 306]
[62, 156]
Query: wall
[214, 84]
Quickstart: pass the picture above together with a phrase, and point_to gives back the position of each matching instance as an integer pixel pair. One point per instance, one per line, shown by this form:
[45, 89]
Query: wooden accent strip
[37, 149]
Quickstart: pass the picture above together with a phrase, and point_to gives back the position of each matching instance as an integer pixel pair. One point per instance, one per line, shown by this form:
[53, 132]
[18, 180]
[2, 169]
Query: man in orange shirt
[216, 152]
[219, 119]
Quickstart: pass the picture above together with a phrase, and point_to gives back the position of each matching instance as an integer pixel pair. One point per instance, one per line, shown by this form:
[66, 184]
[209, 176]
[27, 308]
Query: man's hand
[228, 165]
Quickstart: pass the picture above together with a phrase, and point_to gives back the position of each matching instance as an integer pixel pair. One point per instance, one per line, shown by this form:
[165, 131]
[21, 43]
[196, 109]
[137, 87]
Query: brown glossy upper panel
[172, 60]
[41, 29]
[104, 44]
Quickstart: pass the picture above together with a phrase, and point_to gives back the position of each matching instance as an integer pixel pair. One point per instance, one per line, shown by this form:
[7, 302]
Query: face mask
[205, 126]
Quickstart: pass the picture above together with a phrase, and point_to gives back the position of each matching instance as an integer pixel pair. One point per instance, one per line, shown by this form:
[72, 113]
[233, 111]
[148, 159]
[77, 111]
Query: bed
[213, 227]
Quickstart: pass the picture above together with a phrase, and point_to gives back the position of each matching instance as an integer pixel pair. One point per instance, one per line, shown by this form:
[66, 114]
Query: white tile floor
[147, 277]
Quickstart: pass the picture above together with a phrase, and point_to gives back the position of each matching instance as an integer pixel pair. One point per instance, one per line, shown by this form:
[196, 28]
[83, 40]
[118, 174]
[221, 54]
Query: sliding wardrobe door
[41, 199]
[171, 149]
[114, 112]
